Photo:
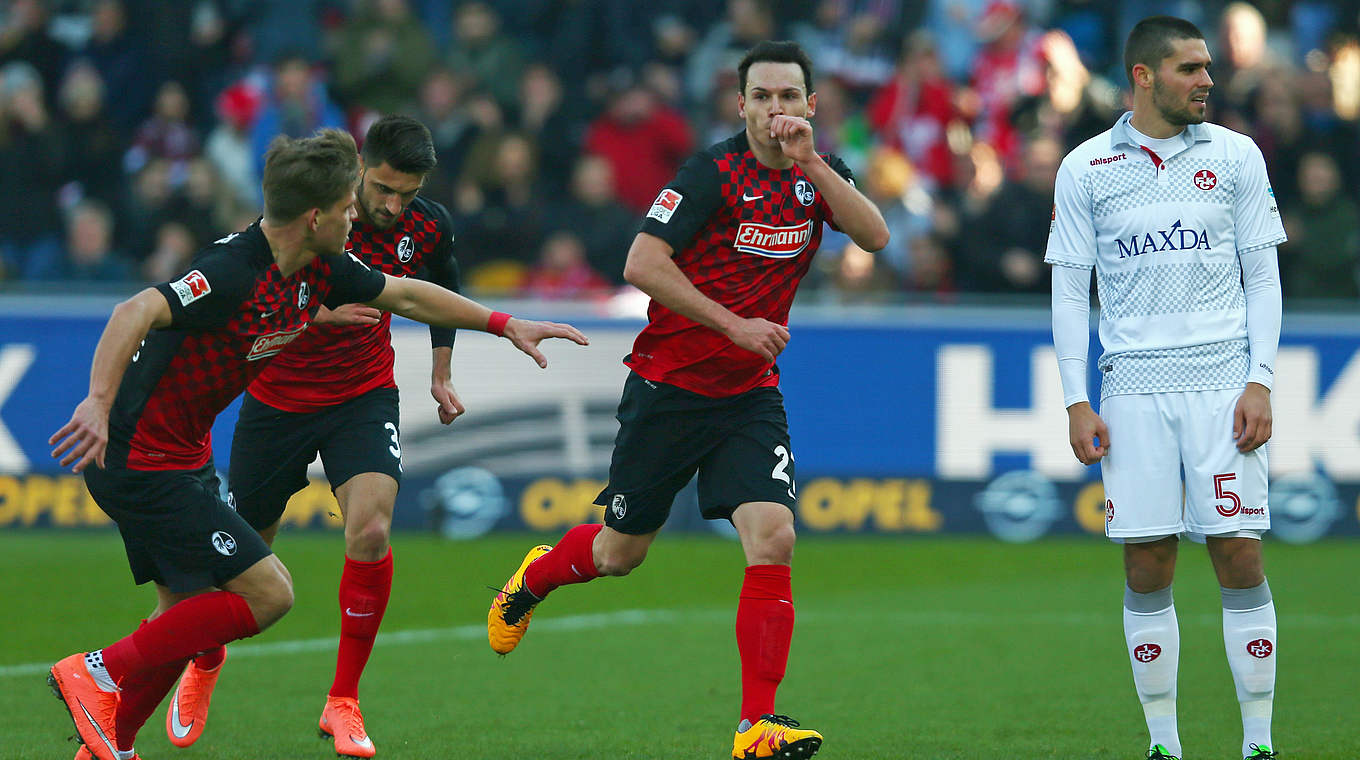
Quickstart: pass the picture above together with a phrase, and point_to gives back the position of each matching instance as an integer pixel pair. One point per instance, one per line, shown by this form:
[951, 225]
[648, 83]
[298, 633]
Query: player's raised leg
[764, 633]
[583, 554]
[1249, 636]
[653, 459]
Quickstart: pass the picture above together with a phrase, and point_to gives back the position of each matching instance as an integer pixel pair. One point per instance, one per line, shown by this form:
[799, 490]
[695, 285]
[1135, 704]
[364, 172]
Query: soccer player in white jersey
[1178, 220]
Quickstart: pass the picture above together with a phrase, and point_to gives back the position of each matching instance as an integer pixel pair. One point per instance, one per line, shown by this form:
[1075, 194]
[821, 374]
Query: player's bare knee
[775, 546]
[369, 542]
[267, 589]
[620, 561]
[270, 603]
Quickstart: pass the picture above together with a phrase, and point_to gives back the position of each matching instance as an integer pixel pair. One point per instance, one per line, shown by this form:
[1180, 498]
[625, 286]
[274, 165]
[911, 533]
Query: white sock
[126, 754]
[1154, 645]
[1249, 639]
[94, 662]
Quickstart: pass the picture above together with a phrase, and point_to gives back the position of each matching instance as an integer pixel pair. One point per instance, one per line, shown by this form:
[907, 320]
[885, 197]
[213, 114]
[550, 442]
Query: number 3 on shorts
[395, 448]
[780, 471]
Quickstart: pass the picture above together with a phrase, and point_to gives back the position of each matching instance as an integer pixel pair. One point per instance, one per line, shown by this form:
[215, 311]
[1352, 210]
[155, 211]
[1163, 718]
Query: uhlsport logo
[304, 293]
[619, 506]
[773, 242]
[1260, 648]
[805, 191]
[405, 250]
[1175, 238]
[1147, 652]
[224, 543]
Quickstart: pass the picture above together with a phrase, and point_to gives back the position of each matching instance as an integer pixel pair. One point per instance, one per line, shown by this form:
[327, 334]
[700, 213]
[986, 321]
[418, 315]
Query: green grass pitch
[904, 648]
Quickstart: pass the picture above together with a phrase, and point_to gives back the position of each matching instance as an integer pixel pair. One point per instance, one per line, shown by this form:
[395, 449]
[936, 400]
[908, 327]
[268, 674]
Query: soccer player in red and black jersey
[721, 253]
[170, 359]
[332, 393]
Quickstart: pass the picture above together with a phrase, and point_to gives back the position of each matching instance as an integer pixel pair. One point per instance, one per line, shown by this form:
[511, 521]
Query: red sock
[211, 658]
[571, 561]
[197, 624]
[364, 590]
[140, 694]
[764, 631]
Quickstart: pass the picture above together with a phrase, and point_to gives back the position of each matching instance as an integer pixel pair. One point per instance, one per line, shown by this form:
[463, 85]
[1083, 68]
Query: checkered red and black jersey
[230, 314]
[744, 234]
[330, 364]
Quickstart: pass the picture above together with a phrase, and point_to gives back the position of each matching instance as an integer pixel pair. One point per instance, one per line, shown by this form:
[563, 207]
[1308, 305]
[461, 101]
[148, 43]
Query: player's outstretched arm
[433, 305]
[651, 269]
[82, 440]
[856, 215]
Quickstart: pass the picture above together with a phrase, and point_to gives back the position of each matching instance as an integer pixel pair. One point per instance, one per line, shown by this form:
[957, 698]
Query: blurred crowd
[132, 132]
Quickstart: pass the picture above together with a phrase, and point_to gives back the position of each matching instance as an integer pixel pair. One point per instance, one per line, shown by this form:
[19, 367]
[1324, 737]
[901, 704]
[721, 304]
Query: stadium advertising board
[924, 420]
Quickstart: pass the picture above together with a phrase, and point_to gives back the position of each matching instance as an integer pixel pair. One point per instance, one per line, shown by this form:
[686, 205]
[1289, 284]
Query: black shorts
[177, 530]
[271, 449]
[739, 445]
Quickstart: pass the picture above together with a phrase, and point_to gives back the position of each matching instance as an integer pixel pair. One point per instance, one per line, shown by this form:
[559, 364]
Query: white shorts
[1155, 438]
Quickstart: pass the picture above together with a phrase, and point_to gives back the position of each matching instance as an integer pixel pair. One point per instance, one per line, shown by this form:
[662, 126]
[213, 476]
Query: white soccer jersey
[1163, 234]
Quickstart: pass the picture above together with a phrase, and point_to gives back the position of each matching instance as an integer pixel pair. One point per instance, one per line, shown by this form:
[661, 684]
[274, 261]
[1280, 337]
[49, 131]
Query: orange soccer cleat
[188, 711]
[91, 707]
[508, 618]
[342, 721]
[775, 736]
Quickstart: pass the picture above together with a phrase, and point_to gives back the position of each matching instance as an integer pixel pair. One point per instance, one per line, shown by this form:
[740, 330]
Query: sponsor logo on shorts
[1147, 652]
[773, 242]
[191, 287]
[268, 345]
[405, 250]
[665, 205]
[805, 192]
[1260, 648]
[619, 506]
[224, 543]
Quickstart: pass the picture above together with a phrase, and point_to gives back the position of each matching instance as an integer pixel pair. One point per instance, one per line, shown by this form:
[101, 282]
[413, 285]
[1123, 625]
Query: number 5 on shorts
[1223, 493]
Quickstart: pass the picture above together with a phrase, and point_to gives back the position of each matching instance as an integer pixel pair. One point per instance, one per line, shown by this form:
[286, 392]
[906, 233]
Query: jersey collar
[1122, 134]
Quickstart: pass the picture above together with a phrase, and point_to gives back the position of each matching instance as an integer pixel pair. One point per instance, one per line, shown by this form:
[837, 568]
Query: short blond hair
[304, 173]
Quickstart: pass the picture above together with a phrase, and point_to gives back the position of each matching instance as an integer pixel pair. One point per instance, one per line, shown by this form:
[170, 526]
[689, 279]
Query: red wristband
[496, 325]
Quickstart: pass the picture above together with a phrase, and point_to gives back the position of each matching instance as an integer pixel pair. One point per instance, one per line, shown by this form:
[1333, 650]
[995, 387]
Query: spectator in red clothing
[166, 135]
[562, 270]
[644, 140]
[1009, 67]
[912, 113]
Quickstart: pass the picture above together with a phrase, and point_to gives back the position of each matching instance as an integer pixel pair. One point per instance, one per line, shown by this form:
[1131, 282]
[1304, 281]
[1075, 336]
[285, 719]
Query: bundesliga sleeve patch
[191, 287]
[665, 205]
